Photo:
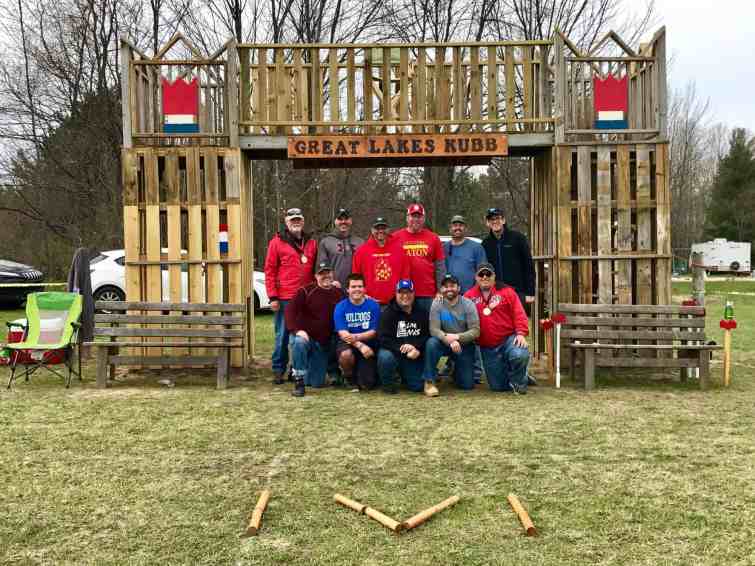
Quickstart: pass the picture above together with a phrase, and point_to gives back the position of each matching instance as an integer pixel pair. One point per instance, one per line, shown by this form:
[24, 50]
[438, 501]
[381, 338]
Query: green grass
[644, 470]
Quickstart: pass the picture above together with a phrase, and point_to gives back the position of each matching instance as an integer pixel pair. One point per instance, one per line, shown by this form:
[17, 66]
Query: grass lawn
[644, 470]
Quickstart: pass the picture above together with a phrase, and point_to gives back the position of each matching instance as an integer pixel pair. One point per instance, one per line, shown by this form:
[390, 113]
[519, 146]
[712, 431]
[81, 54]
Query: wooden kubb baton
[522, 514]
[256, 521]
[423, 516]
[374, 514]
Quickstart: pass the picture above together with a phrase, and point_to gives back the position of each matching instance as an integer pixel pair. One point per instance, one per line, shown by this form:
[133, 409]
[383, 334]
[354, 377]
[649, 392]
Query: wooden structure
[140, 334]
[600, 198]
[638, 336]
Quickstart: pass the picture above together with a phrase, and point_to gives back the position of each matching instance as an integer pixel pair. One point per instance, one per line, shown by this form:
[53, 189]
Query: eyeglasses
[484, 274]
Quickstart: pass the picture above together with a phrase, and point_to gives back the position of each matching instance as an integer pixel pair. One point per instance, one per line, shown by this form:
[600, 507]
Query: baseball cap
[380, 221]
[343, 213]
[292, 213]
[458, 218]
[416, 208]
[324, 266]
[494, 211]
[448, 278]
[485, 266]
[405, 285]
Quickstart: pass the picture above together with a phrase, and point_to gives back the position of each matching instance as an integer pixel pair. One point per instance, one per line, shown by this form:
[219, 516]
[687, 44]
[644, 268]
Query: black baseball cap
[324, 266]
[493, 211]
[380, 221]
[448, 278]
[343, 213]
[485, 266]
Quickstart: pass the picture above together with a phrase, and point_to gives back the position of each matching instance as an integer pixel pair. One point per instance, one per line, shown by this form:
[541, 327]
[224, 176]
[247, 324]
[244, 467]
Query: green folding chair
[52, 326]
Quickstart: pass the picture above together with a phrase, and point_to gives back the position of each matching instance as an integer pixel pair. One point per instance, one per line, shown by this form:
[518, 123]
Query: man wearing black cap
[338, 247]
[309, 319]
[509, 252]
[382, 262]
[454, 327]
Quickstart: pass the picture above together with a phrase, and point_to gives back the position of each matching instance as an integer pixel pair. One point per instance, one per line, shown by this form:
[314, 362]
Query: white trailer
[722, 256]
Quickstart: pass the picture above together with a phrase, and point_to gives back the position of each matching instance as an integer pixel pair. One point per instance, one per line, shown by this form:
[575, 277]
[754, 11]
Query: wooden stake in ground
[256, 520]
[423, 516]
[727, 325]
[522, 514]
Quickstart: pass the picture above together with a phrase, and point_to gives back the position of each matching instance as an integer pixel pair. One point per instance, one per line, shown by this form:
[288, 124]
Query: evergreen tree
[731, 214]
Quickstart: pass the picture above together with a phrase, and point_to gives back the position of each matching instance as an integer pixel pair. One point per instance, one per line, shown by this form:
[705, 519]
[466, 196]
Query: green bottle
[729, 311]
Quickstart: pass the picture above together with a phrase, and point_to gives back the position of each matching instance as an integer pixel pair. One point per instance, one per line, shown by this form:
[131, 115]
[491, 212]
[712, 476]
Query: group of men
[388, 309]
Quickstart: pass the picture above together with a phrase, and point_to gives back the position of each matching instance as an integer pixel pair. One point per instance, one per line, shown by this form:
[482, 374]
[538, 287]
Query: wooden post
[102, 354]
[524, 517]
[589, 368]
[727, 357]
[698, 279]
[659, 50]
[125, 93]
[232, 95]
[423, 516]
[256, 520]
[559, 114]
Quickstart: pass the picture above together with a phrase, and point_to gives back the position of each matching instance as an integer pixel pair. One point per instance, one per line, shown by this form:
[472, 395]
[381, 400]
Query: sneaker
[298, 388]
[430, 389]
[519, 390]
[390, 389]
[278, 380]
[531, 380]
[290, 377]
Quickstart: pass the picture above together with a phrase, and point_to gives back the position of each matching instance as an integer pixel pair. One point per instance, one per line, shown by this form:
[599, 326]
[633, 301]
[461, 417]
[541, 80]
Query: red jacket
[506, 315]
[381, 268]
[286, 270]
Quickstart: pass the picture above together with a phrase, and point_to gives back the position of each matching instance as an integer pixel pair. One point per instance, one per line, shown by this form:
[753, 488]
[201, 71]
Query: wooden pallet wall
[175, 201]
[612, 217]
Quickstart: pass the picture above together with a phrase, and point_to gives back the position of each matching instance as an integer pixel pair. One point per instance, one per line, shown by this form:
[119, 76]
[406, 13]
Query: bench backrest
[664, 323]
[135, 319]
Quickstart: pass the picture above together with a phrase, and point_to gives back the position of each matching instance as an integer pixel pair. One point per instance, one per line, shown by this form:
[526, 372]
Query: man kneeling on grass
[403, 333]
[454, 326]
[356, 321]
[309, 318]
[503, 327]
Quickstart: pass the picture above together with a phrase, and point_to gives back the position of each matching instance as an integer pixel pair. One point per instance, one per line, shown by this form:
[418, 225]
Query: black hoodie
[512, 260]
[397, 327]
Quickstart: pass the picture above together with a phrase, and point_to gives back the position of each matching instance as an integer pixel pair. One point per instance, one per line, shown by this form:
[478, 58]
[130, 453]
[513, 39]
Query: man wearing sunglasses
[509, 252]
[289, 266]
[503, 331]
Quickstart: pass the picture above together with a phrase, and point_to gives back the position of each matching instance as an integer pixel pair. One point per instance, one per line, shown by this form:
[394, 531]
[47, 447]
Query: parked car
[12, 272]
[108, 272]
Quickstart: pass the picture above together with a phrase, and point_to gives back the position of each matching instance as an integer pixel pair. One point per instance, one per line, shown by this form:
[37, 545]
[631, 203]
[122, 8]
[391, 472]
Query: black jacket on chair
[512, 259]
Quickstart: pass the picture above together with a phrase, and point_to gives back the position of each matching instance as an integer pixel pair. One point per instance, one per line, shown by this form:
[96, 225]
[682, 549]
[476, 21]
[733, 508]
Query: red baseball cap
[416, 208]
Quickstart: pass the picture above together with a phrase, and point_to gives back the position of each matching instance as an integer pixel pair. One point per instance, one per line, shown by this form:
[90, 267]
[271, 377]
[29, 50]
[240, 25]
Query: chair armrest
[76, 325]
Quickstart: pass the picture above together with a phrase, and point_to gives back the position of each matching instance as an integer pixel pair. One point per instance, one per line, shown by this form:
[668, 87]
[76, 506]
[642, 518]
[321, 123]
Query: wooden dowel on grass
[423, 516]
[384, 520]
[522, 514]
[259, 509]
[350, 503]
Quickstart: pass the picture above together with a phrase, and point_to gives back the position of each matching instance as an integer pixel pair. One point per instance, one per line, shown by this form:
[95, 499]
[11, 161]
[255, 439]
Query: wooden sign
[398, 145]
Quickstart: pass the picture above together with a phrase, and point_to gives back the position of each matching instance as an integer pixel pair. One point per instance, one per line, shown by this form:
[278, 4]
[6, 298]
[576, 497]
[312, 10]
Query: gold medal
[303, 258]
[486, 311]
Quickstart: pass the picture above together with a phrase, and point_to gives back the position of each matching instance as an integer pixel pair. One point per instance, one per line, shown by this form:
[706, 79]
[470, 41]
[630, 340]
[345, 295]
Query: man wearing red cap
[424, 252]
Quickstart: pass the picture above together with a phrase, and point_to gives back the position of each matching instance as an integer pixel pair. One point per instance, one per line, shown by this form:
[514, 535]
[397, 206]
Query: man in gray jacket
[337, 249]
[454, 327]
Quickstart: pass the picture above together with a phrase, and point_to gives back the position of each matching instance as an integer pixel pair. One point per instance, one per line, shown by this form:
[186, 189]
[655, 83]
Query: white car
[108, 273]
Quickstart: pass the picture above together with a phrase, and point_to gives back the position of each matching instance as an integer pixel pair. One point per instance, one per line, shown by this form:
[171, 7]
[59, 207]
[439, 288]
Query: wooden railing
[646, 74]
[431, 87]
[142, 87]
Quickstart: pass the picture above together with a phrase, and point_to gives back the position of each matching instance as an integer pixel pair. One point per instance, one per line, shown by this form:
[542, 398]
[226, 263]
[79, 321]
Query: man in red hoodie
[503, 331]
[289, 266]
[424, 252]
[380, 260]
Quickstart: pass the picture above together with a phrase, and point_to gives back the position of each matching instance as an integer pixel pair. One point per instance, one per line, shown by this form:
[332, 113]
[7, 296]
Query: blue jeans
[410, 370]
[280, 352]
[310, 361]
[464, 362]
[506, 365]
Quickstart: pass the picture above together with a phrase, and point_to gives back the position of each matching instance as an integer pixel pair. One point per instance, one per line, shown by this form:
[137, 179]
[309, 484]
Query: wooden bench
[159, 325]
[637, 336]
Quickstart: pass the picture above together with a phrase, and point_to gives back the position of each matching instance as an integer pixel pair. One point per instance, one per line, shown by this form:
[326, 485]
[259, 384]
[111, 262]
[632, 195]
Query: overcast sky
[711, 43]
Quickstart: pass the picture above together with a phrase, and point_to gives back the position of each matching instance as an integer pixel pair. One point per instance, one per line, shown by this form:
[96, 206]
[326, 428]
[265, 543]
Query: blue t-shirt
[357, 318]
[462, 261]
